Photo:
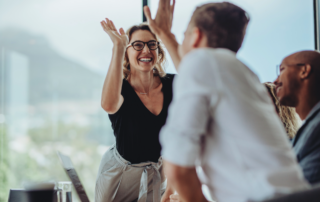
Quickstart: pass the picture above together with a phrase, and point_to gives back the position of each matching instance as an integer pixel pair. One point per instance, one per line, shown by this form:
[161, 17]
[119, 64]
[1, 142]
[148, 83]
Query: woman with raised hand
[136, 95]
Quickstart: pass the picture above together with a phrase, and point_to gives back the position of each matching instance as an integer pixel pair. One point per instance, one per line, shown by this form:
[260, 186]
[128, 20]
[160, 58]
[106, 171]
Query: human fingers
[108, 23]
[152, 24]
[164, 4]
[165, 200]
[172, 6]
[150, 21]
[174, 197]
[104, 25]
[112, 25]
[167, 4]
[174, 200]
[121, 31]
[147, 13]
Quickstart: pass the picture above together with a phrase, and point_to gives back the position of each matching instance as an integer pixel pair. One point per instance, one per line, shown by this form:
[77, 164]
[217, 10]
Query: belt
[144, 184]
[148, 167]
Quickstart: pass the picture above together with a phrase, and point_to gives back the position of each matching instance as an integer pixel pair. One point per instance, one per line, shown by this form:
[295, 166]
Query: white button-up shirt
[223, 117]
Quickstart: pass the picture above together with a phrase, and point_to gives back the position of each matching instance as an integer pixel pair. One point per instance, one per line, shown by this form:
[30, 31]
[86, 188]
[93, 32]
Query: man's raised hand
[161, 26]
[118, 38]
[163, 20]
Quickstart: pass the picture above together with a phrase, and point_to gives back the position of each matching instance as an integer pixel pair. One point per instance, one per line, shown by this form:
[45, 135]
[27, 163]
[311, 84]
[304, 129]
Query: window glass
[276, 29]
[53, 59]
[54, 56]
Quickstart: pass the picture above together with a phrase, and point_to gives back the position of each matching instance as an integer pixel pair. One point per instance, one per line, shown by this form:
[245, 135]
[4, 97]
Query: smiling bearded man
[298, 85]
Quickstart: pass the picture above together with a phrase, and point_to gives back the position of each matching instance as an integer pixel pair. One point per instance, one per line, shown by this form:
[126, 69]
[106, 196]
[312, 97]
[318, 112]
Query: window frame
[316, 24]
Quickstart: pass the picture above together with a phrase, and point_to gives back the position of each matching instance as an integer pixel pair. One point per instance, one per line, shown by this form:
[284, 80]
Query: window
[54, 56]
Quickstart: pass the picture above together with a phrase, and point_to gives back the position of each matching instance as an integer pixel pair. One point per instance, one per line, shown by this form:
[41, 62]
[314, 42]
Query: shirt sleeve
[194, 94]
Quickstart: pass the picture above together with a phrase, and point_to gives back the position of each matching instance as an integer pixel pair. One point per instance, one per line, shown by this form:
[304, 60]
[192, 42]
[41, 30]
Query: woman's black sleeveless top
[136, 129]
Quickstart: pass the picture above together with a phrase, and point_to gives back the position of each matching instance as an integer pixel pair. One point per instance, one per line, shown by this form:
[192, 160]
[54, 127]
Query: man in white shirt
[221, 117]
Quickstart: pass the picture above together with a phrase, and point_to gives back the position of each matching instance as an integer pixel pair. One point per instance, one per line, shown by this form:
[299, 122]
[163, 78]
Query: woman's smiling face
[145, 59]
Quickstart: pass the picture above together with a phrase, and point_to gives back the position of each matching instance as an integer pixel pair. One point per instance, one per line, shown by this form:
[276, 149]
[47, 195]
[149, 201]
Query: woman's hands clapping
[118, 38]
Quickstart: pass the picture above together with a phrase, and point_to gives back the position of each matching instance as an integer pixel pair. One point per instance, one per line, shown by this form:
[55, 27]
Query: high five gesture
[163, 21]
[112, 99]
[161, 26]
[118, 38]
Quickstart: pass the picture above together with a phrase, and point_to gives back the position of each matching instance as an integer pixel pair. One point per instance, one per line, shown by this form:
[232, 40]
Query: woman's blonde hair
[159, 69]
[288, 115]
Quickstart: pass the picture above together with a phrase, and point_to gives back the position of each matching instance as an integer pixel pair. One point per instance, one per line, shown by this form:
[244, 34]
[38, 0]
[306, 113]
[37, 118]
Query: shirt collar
[314, 110]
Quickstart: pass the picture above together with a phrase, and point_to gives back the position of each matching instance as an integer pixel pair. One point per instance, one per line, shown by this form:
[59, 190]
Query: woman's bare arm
[112, 99]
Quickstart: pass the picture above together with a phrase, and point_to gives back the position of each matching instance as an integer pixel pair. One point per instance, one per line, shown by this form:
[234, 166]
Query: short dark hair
[222, 23]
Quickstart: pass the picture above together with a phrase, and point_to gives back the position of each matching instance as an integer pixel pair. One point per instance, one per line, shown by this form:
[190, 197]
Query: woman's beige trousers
[120, 181]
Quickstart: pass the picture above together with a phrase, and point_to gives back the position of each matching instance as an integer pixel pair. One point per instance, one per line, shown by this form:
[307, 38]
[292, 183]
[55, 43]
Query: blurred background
[54, 56]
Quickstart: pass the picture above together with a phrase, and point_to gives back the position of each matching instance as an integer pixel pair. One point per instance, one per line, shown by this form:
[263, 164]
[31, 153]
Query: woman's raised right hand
[118, 38]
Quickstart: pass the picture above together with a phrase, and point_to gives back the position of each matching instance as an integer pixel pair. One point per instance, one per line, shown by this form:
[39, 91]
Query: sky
[277, 28]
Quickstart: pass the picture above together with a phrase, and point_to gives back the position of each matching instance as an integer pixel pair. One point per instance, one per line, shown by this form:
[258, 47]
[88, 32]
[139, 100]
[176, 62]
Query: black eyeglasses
[278, 70]
[139, 45]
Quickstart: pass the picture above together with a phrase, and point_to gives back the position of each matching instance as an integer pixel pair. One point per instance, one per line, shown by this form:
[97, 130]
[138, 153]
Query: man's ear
[306, 71]
[196, 37]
